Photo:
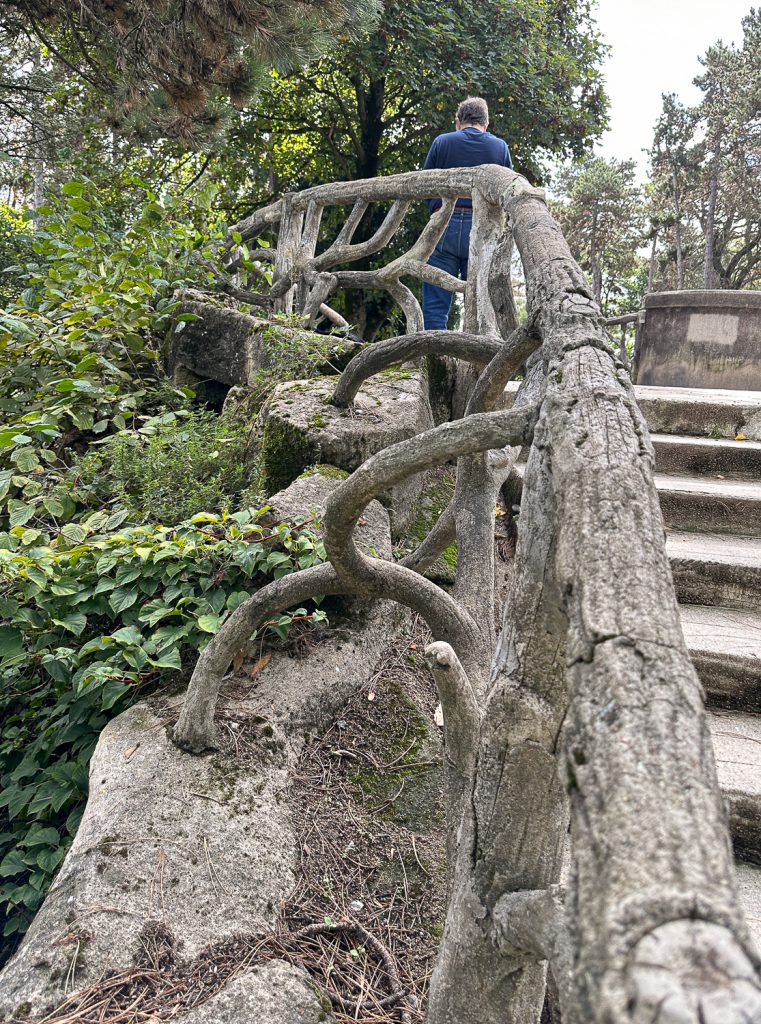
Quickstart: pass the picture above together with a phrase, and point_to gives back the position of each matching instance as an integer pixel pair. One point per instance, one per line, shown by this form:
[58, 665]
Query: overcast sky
[655, 49]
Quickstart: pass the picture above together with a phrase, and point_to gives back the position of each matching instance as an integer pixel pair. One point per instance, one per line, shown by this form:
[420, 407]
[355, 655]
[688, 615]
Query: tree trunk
[594, 266]
[651, 266]
[678, 231]
[708, 270]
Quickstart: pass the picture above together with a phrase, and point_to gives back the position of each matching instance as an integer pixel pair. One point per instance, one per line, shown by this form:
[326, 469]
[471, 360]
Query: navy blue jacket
[468, 147]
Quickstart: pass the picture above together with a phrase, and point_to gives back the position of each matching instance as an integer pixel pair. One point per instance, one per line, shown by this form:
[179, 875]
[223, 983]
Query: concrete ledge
[700, 339]
[737, 743]
[725, 647]
[703, 504]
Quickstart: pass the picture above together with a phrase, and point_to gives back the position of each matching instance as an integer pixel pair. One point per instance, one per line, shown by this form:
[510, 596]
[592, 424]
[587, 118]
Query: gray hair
[473, 110]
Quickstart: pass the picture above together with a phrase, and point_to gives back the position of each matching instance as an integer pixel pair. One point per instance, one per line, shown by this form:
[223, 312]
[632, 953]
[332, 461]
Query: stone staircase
[710, 491]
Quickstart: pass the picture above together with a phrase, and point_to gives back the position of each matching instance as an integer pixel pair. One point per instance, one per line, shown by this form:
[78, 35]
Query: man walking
[469, 146]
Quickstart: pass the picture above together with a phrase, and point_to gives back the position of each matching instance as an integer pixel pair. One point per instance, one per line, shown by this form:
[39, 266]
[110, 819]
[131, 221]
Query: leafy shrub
[91, 621]
[174, 466]
[80, 347]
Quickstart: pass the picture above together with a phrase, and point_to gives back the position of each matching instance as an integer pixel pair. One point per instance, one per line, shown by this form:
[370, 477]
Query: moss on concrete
[414, 754]
[285, 452]
[428, 509]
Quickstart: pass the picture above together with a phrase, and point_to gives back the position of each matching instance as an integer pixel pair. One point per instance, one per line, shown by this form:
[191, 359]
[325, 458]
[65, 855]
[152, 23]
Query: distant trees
[705, 198]
[600, 210]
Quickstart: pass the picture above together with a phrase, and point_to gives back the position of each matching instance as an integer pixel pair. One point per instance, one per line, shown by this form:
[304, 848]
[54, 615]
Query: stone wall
[700, 339]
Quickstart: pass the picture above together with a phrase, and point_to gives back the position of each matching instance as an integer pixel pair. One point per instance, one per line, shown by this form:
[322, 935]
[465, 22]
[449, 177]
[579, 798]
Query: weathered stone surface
[302, 428]
[275, 993]
[711, 456]
[703, 339]
[716, 569]
[230, 347]
[702, 412]
[725, 645]
[703, 503]
[737, 740]
[196, 842]
[308, 494]
[749, 882]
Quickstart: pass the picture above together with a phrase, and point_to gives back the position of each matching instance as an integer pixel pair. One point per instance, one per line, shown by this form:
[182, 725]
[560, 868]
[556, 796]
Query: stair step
[690, 503]
[716, 569]
[702, 503]
[749, 884]
[737, 744]
[704, 412]
[725, 647]
[715, 457]
[701, 412]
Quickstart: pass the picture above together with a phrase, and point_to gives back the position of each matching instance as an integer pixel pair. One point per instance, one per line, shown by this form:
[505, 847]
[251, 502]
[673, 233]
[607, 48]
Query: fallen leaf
[371, 695]
[238, 660]
[438, 717]
[413, 647]
[499, 512]
[130, 751]
[740, 437]
[260, 664]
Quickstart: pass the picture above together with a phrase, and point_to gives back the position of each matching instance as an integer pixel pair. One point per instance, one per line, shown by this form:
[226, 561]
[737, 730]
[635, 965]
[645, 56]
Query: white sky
[655, 49]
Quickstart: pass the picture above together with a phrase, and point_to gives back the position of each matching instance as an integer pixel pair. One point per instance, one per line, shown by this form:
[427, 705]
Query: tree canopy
[176, 65]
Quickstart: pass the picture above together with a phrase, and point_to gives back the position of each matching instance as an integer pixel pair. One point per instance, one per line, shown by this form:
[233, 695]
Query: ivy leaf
[208, 623]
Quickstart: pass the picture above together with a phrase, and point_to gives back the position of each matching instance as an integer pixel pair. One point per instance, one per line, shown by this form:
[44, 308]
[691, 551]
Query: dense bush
[80, 347]
[91, 621]
[174, 466]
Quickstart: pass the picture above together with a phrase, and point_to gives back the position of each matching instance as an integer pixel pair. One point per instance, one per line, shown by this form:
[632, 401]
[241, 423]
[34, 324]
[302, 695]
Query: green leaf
[208, 623]
[168, 659]
[128, 635]
[49, 860]
[80, 220]
[19, 512]
[26, 459]
[53, 506]
[73, 533]
[11, 643]
[12, 864]
[121, 599]
[75, 623]
[39, 836]
[82, 241]
[73, 188]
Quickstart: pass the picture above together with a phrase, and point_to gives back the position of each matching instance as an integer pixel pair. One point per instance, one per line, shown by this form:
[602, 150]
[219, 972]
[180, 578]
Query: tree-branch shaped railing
[590, 706]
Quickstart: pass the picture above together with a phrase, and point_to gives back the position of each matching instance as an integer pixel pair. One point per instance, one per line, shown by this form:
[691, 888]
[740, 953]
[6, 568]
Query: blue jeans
[451, 254]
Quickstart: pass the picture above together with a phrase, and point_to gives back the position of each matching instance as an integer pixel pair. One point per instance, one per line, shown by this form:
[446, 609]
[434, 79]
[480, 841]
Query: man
[469, 146]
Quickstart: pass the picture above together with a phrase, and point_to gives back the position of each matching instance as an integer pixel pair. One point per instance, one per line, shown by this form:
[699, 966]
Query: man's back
[468, 147]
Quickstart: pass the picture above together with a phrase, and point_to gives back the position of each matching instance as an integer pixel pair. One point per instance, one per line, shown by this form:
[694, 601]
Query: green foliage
[90, 622]
[15, 244]
[174, 466]
[180, 67]
[705, 207]
[601, 213]
[79, 349]
[372, 106]
[294, 353]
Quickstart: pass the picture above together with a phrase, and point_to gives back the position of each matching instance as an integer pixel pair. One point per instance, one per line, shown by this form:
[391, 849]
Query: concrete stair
[709, 486]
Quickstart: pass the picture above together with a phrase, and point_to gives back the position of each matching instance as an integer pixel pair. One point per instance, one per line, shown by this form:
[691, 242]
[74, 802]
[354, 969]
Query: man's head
[472, 113]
